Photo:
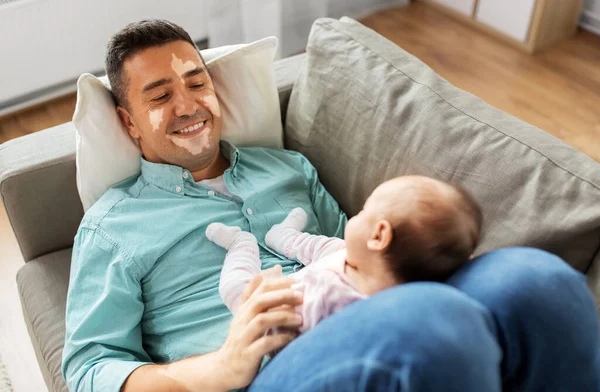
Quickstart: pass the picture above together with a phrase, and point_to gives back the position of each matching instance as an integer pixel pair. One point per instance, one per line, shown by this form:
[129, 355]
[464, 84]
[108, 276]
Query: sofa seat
[42, 284]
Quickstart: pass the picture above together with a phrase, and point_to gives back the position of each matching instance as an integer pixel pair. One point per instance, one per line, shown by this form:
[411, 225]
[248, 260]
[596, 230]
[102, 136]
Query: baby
[411, 228]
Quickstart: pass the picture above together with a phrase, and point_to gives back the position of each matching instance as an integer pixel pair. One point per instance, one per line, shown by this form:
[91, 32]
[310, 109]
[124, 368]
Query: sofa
[362, 110]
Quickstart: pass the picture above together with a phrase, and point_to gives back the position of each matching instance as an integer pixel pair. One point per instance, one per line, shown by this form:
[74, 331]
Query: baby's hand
[273, 273]
[221, 234]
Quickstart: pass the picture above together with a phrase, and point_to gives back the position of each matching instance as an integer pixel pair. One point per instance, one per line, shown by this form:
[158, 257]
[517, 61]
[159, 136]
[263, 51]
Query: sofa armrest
[37, 187]
[37, 179]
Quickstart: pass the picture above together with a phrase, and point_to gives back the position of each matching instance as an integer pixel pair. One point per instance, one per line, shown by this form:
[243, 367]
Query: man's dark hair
[439, 239]
[132, 39]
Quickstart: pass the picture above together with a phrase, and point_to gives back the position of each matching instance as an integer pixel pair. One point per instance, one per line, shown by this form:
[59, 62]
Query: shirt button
[178, 189]
[249, 211]
[185, 174]
[211, 193]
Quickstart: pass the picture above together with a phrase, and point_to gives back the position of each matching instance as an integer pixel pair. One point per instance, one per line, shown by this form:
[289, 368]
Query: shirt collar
[172, 178]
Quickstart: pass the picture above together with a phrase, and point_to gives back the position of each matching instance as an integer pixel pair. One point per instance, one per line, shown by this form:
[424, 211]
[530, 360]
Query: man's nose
[185, 105]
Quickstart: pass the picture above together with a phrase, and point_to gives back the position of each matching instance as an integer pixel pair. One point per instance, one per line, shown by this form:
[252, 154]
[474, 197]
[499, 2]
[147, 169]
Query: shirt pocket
[289, 201]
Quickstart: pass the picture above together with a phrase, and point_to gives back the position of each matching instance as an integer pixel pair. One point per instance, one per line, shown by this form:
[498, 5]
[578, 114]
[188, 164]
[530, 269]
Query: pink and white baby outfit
[327, 289]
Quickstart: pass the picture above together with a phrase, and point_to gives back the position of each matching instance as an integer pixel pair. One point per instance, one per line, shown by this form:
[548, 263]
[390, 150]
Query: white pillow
[244, 80]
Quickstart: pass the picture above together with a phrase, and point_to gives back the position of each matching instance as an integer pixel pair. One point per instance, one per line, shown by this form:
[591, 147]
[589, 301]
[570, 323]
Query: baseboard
[590, 21]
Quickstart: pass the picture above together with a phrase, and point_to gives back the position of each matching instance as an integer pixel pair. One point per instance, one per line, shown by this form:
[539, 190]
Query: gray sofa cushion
[43, 290]
[363, 110]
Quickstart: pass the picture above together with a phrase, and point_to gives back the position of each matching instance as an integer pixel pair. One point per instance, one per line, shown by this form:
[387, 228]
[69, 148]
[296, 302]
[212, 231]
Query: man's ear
[382, 237]
[127, 122]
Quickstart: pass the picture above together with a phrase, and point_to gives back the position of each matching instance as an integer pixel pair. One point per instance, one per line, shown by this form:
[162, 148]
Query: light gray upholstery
[364, 110]
[37, 186]
[43, 286]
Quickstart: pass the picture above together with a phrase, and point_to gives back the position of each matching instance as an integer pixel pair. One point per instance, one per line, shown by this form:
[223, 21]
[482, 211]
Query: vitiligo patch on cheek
[212, 104]
[156, 118]
[180, 67]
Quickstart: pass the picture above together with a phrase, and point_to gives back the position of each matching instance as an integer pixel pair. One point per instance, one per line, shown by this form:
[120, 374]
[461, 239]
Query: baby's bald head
[436, 227]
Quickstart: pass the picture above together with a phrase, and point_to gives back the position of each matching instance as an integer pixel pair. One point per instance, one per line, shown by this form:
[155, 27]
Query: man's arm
[235, 364]
[103, 341]
[103, 345]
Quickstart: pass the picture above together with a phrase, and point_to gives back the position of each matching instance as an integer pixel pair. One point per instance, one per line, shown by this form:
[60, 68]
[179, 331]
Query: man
[144, 312]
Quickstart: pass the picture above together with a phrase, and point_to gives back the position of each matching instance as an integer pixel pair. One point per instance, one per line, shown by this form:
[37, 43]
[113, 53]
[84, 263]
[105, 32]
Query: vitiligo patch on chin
[194, 145]
[180, 67]
[156, 118]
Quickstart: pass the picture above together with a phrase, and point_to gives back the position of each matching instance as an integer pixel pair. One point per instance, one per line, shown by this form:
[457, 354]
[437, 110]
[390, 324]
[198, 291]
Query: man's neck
[214, 170]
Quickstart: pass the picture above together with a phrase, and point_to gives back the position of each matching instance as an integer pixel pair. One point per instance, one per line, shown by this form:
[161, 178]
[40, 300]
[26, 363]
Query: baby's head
[412, 228]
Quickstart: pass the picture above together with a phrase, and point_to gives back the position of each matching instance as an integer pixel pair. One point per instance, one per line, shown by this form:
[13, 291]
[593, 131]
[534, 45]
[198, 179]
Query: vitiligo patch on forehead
[180, 67]
[156, 118]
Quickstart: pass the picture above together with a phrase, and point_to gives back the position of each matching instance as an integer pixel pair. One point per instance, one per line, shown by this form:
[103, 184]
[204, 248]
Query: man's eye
[160, 97]
[197, 85]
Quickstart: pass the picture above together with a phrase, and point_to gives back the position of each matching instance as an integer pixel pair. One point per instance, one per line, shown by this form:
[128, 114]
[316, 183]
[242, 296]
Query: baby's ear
[381, 238]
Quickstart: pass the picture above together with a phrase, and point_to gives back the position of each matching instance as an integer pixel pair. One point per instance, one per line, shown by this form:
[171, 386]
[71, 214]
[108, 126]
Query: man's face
[173, 109]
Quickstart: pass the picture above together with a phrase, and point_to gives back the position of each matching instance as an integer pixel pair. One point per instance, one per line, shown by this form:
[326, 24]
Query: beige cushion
[363, 110]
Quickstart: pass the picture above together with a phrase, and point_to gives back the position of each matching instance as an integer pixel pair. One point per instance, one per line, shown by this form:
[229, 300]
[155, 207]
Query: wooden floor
[44, 116]
[557, 90]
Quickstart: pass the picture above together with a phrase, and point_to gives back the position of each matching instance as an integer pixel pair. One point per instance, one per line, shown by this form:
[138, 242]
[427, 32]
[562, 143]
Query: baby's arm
[287, 239]
[242, 261]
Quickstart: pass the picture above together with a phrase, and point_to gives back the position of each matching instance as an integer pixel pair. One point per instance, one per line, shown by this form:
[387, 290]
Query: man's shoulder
[112, 199]
[269, 154]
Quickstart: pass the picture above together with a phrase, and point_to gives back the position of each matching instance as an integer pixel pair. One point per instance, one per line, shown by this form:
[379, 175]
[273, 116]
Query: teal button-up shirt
[144, 278]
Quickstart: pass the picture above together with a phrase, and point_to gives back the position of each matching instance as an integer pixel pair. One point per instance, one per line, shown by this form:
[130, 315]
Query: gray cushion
[363, 110]
[43, 290]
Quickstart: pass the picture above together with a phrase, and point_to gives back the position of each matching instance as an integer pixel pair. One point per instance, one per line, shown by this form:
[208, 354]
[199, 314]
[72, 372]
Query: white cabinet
[463, 6]
[530, 25]
[512, 17]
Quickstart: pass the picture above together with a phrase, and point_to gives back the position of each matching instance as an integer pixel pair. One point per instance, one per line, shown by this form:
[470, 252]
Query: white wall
[590, 20]
[46, 42]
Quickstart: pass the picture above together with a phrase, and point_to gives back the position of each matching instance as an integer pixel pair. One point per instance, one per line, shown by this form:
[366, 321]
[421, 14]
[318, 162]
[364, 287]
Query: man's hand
[269, 302]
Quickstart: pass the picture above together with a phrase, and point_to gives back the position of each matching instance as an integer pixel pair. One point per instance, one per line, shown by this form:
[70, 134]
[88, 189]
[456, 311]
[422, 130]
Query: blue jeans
[516, 319]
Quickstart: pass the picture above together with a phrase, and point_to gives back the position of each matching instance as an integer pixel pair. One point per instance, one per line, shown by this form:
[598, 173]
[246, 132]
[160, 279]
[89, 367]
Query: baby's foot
[221, 234]
[296, 219]
[278, 237]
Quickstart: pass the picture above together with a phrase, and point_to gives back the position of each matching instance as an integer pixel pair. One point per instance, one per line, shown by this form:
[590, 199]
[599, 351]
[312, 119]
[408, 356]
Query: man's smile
[191, 130]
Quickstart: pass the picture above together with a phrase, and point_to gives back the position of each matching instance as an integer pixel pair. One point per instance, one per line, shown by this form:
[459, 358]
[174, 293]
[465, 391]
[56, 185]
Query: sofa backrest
[363, 111]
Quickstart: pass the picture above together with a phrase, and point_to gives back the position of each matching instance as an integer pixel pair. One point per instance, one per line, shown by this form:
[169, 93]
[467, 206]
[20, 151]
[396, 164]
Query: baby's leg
[288, 240]
[242, 261]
